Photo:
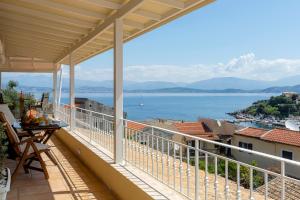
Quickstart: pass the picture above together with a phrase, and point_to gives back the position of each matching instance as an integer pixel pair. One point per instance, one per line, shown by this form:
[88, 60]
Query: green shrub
[232, 172]
[3, 148]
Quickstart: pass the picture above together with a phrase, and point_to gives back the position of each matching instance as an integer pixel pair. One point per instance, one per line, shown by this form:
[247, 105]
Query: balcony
[172, 163]
[70, 179]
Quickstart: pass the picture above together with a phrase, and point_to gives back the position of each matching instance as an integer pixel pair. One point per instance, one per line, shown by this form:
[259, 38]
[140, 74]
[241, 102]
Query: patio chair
[44, 101]
[27, 150]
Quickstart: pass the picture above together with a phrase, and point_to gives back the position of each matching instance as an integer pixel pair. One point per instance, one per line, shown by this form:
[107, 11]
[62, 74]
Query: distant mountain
[295, 88]
[221, 83]
[190, 90]
[289, 81]
[150, 85]
[229, 82]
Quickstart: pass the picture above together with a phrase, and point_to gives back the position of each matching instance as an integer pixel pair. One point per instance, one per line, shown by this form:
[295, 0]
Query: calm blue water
[178, 106]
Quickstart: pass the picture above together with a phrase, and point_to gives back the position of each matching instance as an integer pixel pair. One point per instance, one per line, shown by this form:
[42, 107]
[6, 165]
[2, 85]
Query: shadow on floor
[70, 179]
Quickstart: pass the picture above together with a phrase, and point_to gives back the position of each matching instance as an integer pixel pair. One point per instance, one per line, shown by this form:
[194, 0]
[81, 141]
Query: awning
[42, 33]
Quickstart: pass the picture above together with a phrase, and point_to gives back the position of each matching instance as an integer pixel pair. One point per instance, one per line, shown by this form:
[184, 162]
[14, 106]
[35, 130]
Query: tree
[10, 95]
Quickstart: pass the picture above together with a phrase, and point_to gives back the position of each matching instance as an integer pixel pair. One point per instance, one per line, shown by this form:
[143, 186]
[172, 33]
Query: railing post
[282, 180]
[54, 90]
[72, 93]
[91, 125]
[118, 91]
[197, 170]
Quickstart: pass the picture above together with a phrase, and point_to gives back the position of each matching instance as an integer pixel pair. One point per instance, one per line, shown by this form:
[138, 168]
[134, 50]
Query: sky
[254, 39]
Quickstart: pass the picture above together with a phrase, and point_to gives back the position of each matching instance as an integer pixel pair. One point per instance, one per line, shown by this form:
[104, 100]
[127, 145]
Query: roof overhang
[49, 30]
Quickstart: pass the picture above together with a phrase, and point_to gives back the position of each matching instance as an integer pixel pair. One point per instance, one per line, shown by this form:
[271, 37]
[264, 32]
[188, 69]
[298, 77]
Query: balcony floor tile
[70, 179]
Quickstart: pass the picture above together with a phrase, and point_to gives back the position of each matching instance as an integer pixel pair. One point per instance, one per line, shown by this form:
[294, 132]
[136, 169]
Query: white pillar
[118, 91]
[72, 94]
[0, 80]
[54, 91]
[59, 86]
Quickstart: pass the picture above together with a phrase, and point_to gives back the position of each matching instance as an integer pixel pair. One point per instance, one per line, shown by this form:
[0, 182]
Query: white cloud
[245, 66]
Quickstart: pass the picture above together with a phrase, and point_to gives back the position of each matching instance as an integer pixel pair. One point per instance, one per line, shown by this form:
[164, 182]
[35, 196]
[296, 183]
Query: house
[201, 129]
[223, 130]
[278, 142]
[89, 104]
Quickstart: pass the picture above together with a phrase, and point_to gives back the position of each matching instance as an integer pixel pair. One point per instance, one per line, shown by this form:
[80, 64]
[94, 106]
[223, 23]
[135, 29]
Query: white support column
[54, 96]
[72, 94]
[0, 80]
[118, 91]
[59, 86]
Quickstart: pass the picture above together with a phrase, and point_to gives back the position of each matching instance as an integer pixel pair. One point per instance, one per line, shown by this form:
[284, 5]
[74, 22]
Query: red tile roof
[251, 132]
[135, 126]
[277, 135]
[197, 129]
[283, 136]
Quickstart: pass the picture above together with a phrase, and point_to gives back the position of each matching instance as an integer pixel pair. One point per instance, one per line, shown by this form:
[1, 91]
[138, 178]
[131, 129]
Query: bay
[178, 106]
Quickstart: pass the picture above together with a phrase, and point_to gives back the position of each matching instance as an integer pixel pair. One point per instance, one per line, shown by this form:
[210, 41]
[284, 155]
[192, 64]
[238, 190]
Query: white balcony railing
[165, 155]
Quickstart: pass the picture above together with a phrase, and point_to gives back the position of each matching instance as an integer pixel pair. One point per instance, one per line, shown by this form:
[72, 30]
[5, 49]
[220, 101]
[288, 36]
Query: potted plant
[5, 177]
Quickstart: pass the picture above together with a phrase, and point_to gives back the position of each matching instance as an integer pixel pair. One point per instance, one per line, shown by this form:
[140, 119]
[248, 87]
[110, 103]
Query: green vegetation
[12, 98]
[10, 95]
[258, 178]
[3, 148]
[279, 107]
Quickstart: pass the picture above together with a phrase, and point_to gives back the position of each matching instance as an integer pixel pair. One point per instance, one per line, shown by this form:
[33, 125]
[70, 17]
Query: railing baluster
[216, 177]
[197, 170]
[139, 149]
[251, 183]
[266, 185]
[226, 180]
[188, 174]
[90, 126]
[162, 160]
[206, 176]
[148, 152]
[132, 145]
[174, 166]
[180, 168]
[152, 150]
[238, 191]
[135, 148]
[126, 143]
[282, 180]
[144, 150]
[157, 156]
[168, 162]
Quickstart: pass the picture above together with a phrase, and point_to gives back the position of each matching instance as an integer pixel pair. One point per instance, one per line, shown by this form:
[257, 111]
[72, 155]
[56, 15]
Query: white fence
[159, 153]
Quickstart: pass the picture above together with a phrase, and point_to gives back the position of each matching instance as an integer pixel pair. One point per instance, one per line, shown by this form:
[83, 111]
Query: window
[246, 145]
[287, 154]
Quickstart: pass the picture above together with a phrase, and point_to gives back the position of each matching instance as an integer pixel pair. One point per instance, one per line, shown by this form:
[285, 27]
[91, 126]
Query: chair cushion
[40, 147]
[10, 117]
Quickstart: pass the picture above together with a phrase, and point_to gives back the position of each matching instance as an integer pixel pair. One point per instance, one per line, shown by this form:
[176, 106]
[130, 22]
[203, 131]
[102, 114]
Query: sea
[178, 106]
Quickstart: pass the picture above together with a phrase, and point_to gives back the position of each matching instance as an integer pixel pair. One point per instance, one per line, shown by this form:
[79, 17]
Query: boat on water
[292, 125]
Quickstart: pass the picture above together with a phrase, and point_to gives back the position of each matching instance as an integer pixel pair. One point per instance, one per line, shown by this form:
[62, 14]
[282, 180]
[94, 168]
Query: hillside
[279, 107]
[220, 83]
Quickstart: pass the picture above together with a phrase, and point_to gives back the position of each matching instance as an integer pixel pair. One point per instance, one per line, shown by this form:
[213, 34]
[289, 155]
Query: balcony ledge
[126, 181]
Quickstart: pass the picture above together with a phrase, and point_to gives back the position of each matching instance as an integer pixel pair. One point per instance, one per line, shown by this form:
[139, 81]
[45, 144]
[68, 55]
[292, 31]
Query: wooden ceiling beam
[67, 9]
[105, 4]
[171, 3]
[32, 35]
[147, 14]
[37, 30]
[45, 15]
[42, 23]
[125, 10]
